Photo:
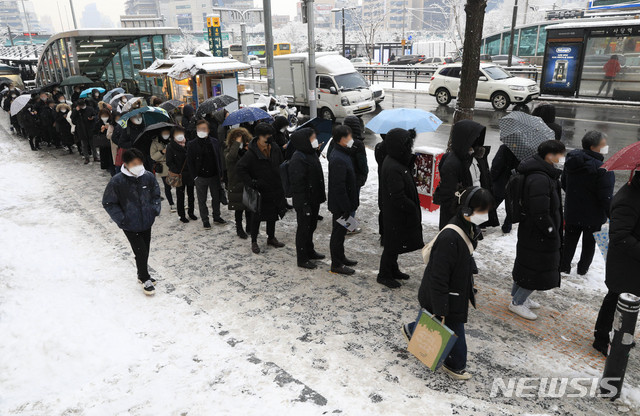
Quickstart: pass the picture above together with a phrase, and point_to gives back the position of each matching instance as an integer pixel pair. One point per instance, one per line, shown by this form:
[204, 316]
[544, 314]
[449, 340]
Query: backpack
[426, 250]
[513, 197]
[284, 177]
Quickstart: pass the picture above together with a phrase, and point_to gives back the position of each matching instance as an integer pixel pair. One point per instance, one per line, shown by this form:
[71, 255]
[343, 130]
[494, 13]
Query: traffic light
[303, 10]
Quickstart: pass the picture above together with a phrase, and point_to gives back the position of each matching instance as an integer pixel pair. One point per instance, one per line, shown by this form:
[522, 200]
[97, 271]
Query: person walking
[158, 151]
[403, 215]
[503, 165]
[237, 141]
[447, 284]
[547, 112]
[100, 128]
[205, 166]
[537, 264]
[259, 168]
[588, 194]
[176, 160]
[623, 258]
[307, 188]
[611, 70]
[83, 117]
[132, 200]
[343, 197]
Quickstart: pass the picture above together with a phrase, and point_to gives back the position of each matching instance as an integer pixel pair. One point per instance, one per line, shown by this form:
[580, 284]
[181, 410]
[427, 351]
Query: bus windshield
[351, 81]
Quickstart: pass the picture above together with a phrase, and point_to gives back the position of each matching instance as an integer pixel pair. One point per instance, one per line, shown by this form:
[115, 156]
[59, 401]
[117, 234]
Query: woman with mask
[100, 128]
[158, 152]
[64, 126]
[236, 146]
[124, 137]
[537, 264]
[281, 135]
[177, 163]
[121, 103]
[447, 284]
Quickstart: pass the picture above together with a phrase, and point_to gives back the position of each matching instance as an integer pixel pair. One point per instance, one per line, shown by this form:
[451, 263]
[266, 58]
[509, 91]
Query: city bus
[280, 48]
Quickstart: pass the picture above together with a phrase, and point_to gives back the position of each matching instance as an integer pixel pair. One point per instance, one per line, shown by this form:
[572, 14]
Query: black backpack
[513, 197]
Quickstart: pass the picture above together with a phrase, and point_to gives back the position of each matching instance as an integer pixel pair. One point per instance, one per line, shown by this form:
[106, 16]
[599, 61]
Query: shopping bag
[100, 140]
[431, 341]
[251, 199]
[602, 240]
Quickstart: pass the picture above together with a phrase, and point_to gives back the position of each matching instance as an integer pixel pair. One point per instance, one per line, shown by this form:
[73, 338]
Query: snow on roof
[584, 23]
[187, 67]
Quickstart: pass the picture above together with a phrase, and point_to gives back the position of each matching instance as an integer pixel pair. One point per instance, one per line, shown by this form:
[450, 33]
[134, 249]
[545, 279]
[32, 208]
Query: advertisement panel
[215, 35]
[561, 65]
[612, 4]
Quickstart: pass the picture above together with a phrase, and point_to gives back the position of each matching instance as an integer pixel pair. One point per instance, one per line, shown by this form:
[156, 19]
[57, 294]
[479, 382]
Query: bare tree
[369, 24]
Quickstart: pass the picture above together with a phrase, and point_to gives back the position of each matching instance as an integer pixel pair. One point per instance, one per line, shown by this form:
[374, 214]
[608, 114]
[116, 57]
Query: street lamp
[342, 9]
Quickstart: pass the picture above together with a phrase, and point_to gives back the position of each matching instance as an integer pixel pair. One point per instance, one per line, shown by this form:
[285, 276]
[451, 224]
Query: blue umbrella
[112, 93]
[87, 92]
[405, 118]
[246, 115]
[150, 115]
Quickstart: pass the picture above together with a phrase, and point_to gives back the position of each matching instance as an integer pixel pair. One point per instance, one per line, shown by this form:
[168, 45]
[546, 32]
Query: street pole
[526, 10]
[26, 18]
[313, 104]
[268, 44]
[344, 48]
[73, 14]
[9, 33]
[513, 31]
[404, 13]
[243, 39]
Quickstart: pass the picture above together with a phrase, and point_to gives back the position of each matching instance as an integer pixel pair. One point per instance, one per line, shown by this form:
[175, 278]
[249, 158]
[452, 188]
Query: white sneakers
[523, 311]
[531, 304]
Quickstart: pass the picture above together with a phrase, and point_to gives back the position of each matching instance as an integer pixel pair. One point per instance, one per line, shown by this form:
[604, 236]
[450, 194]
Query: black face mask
[270, 139]
[479, 152]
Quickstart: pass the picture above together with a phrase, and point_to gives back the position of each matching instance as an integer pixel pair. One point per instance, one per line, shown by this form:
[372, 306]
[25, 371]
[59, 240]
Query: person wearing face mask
[158, 152]
[132, 200]
[236, 146]
[259, 168]
[402, 212]
[75, 96]
[47, 121]
[343, 197]
[124, 137]
[64, 126]
[121, 103]
[447, 284]
[281, 135]
[537, 263]
[29, 119]
[83, 117]
[205, 166]
[588, 194]
[189, 121]
[177, 163]
[463, 166]
[100, 129]
[95, 99]
[307, 187]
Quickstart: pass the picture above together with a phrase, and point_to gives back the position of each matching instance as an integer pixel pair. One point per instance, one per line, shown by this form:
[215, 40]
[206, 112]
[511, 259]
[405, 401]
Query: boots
[32, 143]
[240, 231]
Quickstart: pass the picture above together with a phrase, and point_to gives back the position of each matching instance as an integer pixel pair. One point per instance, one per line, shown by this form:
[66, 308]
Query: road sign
[225, 35]
[215, 35]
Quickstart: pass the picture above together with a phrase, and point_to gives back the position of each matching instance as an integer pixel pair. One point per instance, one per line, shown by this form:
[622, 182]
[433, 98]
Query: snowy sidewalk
[230, 332]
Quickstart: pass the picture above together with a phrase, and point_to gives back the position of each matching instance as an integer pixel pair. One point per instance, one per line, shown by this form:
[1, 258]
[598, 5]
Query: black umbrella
[321, 126]
[151, 131]
[5, 80]
[212, 104]
[75, 80]
[171, 105]
[50, 86]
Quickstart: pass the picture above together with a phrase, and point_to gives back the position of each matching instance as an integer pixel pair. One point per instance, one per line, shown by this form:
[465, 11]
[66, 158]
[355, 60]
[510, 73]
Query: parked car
[360, 61]
[407, 60]
[437, 61]
[504, 59]
[495, 85]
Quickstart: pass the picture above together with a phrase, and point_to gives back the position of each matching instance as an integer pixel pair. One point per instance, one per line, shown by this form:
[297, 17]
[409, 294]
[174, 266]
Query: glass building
[528, 42]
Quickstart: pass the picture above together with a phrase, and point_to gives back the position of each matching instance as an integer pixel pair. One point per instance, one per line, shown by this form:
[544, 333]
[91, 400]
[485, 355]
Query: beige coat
[114, 147]
[158, 156]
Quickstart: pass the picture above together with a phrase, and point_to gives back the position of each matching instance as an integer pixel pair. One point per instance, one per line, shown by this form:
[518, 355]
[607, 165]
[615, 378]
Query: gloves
[345, 215]
[254, 183]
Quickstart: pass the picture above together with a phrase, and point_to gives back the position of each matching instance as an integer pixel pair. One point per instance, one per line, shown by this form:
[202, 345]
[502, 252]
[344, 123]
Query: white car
[377, 93]
[495, 85]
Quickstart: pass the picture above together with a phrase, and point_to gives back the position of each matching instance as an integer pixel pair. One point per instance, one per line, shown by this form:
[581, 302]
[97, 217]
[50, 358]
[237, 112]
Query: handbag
[100, 140]
[223, 195]
[251, 199]
[175, 179]
[158, 167]
[426, 250]
[431, 340]
[119, 153]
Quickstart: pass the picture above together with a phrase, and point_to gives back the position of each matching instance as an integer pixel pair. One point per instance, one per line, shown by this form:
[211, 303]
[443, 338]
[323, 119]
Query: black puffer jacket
[537, 264]
[232, 154]
[504, 162]
[402, 214]
[547, 112]
[176, 157]
[355, 124]
[280, 137]
[588, 188]
[305, 173]
[124, 137]
[263, 173]
[447, 283]
[343, 191]
[623, 257]
[189, 121]
[84, 121]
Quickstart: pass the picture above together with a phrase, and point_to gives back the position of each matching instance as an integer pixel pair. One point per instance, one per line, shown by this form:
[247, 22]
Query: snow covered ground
[231, 333]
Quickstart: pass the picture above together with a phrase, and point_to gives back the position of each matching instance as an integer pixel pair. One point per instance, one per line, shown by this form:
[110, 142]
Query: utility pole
[526, 10]
[268, 44]
[9, 33]
[513, 31]
[313, 104]
[26, 18]
[243, 40]
[404, 13]
[344, 45]
[73, 14]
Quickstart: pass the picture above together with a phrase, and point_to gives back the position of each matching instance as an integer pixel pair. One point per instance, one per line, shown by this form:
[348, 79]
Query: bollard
[624, 325]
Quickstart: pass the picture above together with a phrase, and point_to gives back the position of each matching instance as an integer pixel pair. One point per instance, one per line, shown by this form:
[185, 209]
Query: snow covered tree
[187, 45]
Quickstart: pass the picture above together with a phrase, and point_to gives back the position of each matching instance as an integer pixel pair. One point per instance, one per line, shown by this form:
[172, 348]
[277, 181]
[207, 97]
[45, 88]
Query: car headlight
[516, 87]
[344, 101]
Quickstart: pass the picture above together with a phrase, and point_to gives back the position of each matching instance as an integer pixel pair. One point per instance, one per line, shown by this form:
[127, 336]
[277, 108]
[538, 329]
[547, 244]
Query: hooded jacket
[232, 154]
[216, 126]
[588, 188]
[343, 191]
[354, 123]
[547, 112]
[305, 173]
[64, 126]
[537, 264]
[402, 214]
[281, 138]
[189, 121]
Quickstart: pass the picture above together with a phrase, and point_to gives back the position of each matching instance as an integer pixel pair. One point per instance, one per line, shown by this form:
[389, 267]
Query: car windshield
[351, 81]
[497, 73]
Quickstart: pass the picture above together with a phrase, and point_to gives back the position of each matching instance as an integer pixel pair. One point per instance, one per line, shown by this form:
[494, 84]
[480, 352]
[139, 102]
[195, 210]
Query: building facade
[150, 7]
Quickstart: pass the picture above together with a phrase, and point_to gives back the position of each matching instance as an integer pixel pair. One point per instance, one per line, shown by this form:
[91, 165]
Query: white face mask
[315, 144]
[202, 134]
[104, 119]
[63, 110]
[83, 107]
[61, 101]
[123, 100]
[478, 219]
[282, 129]
[179, 137]
[560, 164]
[137, 170]
[136, 120]
[165, 135]
[350, 143]
[604, 150]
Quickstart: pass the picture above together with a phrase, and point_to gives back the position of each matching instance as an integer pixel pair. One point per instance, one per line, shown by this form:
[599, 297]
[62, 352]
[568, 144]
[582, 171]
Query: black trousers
[336, 243]
[255, 227]
[140, 244]
[608, 81]
[388, 264]
[604, 322]
[571, 236]
[247, 215]
[167, 190]
[307, 224]
[190, 198]
[204, 186]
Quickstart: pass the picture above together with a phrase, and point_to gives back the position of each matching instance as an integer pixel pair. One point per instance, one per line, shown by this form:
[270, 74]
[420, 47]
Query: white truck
[341, 90]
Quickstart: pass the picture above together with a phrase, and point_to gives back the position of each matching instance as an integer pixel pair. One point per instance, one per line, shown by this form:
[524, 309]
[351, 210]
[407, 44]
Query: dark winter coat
[502, 166]
[47, 119]
[281, 137]
[62, 125]
[358, 153]
[305, 173]
[402, 220]
[540, 232]
[216, 126]
[623, 257]
[263, 173]
[189, 121]
[232, 154]
[195, 159]
[124, 137]
[380, 153]
[447, 283]
[547, 112]
[588, 189]
[355, 124]
[84, 121]
[343, 191]
[29, 119]
[454, 166]
[132, 203]
[176, 158]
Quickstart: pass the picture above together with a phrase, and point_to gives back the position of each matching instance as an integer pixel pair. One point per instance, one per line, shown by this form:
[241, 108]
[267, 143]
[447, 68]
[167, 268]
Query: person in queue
[158, 152]
[237, 142]
[176, 159]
